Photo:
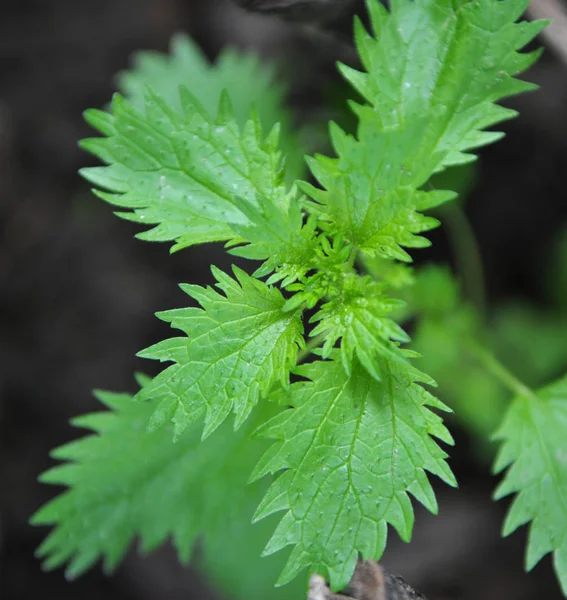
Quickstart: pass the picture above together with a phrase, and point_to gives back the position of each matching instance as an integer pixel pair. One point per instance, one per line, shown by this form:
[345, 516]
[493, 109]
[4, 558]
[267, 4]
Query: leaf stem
[506, 377]
[467, 254]
[352, 257]
[309, 347]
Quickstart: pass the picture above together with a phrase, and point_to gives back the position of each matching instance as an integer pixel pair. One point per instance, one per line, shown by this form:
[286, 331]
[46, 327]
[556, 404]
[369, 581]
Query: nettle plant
[225, 434]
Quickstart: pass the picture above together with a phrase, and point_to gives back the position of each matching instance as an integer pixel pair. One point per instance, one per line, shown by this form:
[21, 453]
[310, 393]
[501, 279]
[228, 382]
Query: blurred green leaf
[248, 81]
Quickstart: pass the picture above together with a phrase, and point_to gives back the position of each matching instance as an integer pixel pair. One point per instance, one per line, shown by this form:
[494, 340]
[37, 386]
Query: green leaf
[125, 482]
[248, 81]
[351, 449]
[245, 77]
[237, 347]
[478, 399]
[184, 172]
[396, 275]
[234, 565]
[433, 72]
[516, 326]
[534, 450]
[285, 244]
[359, 317]
[447, 329]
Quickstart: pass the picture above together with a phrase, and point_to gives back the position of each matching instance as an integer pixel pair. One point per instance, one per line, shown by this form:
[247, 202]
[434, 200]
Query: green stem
[499, 371]
[309, 347]
[467, 253]
[352, 257]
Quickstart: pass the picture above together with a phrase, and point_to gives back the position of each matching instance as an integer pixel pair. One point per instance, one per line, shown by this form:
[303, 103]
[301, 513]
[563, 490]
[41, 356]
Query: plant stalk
[467, 254]
[309, 347]
[506, 377]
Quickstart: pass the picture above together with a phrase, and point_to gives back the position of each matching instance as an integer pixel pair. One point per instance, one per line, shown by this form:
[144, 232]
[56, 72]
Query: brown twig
[299, 10]
[369, 582]
[314, 20]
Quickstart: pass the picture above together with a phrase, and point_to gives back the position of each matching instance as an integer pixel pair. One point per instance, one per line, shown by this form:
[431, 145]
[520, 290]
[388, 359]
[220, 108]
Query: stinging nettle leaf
[199, 179]
[534, 452]
[356, 437]
[124, 482]
[360, 318]
[181, 171]
[248, 81]
[351, 448]
[238, 346]
[174, 163]
[281, 239]
[433, 71]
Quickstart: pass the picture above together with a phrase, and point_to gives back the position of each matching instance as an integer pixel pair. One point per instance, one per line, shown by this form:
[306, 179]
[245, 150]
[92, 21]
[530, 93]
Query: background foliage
[496, 287]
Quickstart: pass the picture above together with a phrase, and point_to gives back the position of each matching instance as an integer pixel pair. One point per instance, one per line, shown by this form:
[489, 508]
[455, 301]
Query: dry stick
[299, 10]
[369, 582]
[556, 33]
[313, 20]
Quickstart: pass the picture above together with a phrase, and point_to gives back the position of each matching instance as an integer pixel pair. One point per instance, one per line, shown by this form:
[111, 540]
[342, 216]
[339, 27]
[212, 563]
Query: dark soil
[77, 292]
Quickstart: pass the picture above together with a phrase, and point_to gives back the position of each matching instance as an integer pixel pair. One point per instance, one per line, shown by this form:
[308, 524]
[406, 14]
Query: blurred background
[78, 292]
